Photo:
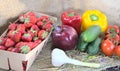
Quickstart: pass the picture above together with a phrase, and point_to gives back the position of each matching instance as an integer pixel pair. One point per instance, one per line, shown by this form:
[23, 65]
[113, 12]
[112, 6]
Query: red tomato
[115, 38]
[107, 47]
[112, 28]
[117, 50]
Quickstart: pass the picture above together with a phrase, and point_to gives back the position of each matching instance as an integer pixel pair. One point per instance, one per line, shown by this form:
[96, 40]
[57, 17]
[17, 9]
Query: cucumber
[94, 47]
[91, 33]
[81, 44]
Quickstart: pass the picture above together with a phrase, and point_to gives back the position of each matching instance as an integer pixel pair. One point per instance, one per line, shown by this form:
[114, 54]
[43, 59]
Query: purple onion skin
[65, 38]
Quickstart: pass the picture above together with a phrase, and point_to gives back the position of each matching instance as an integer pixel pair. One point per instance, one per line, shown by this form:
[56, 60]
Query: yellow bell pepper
[94, 17]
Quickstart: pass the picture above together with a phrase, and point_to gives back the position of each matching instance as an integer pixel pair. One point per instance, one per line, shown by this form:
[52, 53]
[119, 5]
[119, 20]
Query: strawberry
[19, 44]
[44, 18]
[42, 34]
[29, 19]
[27, 37]
[25, 47]
[40, 24]
[47, 27]
[34, 29]
[32, 45]
[22, 18]
[14, 35]
[12, 26]
[3, 47]
[2, 40]
[9, 42]
[28, 25]
[21, 28]
[38, 41]
[12, 49]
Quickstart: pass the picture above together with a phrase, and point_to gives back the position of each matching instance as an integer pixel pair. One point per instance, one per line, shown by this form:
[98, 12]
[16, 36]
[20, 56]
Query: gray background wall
[10, 9]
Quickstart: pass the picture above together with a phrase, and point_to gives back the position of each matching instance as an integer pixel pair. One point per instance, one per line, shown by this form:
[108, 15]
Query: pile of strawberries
[25, 34]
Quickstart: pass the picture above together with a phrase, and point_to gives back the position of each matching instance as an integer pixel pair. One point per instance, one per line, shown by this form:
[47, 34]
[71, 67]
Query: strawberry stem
[25, 49]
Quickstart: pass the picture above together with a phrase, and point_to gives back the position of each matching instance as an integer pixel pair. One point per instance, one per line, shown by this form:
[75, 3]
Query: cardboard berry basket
[15, 61]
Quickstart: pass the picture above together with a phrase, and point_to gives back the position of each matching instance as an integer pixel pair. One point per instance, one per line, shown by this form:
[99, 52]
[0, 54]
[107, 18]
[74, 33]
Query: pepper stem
[71, 14]
[94, 17]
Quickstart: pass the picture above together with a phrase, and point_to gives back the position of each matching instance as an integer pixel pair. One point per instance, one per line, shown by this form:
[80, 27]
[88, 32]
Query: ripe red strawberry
[25, 47]
[14, 35]
[2, 40]
[28, 25]
[34, 30]
[44, 18]
[12, 26]
[38, 41]
[28, 18]
[9, 42]
[47, 27]
[34, 27]
[19, 44]
[32, 45]
[3, 47]
[21, 28]
[42, 34]
[12, 49]
[40, 24]
[27, 37]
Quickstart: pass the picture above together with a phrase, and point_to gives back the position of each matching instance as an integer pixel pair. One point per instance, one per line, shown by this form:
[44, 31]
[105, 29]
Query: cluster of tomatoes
[111, 43]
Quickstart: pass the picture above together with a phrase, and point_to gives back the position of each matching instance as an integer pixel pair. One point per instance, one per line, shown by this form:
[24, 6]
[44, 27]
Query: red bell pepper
[73, 19]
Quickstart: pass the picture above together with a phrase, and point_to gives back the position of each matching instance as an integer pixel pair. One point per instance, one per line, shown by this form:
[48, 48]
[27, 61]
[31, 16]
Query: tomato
[117, 50]
[107, 47]
[113, 29]
[115, 38]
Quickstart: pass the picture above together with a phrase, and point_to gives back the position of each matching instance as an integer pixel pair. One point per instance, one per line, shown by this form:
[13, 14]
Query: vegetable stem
[77, 62]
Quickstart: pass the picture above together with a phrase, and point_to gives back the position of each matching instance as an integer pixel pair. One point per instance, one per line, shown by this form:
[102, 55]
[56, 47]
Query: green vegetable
[81, 44]
[91, 33]
[94, 47]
